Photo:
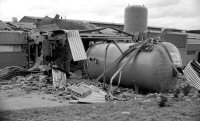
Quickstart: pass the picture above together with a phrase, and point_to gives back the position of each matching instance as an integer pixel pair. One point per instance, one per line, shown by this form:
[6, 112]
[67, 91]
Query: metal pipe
[117, 46]
[119, 58]
[119, 80]
[122, 31]
[131, 57]
[104, 76]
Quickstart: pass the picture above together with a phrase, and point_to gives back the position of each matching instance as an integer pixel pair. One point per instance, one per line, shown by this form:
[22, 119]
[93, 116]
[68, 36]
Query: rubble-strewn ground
[40, 102]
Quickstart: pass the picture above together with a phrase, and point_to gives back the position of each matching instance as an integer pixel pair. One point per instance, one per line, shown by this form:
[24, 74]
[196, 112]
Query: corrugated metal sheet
[76, 45]
[191, 73]
[12, 37]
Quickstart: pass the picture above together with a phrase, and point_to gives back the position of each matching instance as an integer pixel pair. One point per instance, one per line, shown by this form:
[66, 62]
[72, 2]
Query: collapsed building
[63, 43]
[53, 44]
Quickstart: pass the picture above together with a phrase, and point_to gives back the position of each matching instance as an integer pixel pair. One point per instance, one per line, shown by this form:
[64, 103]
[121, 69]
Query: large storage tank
[151, 69]
[135, 19]
[175, 54]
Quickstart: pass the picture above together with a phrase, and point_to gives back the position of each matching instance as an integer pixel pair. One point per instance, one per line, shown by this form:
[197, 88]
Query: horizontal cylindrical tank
[135, 19]
[151, 69]
[175, 54]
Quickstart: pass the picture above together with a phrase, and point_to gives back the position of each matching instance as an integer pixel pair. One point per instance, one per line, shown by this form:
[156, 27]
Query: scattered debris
[163, 100]
[146, 101]
[96, 96]
[76, 89]
[73, 101]
[13, 71]
[79, 91]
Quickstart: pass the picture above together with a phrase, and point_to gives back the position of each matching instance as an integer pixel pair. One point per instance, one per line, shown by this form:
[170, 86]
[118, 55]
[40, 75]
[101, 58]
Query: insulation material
[76, 45]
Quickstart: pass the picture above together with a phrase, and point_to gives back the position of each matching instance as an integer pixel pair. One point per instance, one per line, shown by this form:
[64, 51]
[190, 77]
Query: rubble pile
[183, 88]
[33, 82]
[80, 90]
[74, 87]
[9, 72]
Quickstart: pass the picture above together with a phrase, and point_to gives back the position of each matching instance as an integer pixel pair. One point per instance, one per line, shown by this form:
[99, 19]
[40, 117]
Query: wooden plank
[59, 78]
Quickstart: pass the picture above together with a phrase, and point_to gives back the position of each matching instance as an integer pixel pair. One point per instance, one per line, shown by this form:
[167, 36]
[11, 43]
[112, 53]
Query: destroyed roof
[4, 26]
[22, 25]
[16, 26]
[67, 24]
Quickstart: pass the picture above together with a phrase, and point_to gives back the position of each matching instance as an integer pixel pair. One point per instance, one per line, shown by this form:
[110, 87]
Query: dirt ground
[16, 99]
[18, 105]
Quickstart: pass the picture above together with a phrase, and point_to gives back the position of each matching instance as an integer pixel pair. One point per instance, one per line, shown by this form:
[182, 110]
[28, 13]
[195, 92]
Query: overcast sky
[180, 14]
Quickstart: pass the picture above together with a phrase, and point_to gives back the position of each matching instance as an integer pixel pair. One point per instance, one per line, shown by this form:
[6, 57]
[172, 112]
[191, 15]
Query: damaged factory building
[133, 56]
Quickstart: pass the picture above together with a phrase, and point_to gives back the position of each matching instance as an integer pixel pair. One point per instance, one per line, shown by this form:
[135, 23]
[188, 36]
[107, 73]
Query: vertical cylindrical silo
[135, 19]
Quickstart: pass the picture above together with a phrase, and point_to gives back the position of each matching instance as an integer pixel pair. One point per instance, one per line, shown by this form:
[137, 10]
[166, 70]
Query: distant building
[188, 42]
[31, 19]
[193, 46]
